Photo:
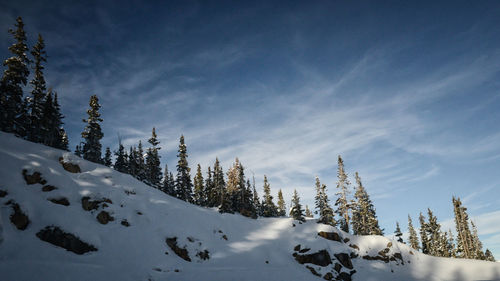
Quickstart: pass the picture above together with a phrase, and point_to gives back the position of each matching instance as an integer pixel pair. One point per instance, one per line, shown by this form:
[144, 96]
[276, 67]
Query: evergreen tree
[423, 235]
[140, 165]
[488, 255]
[281, 205]
[234, 186]
[78, 150]
[220, 198]
[296, 211]
[51, 133]
[342, 202]
[256, 201]
[64, 144]
[249, 205]
[476, 244]
[323, 205]
[210, 192]
[199, 189]
[465, 248]
[107, 157]
[433, 230]
[121, 161]
[364, 218]
[268, 207]
[168, 182]
[451, 245]
[92, 133]
[398, 233]
[12, 106]
[308, 213]
[413, 238]
[152, 166]
[38, 93]
[183, 184]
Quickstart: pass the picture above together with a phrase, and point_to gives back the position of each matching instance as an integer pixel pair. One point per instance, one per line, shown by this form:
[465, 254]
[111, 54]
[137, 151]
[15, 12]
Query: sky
[407, 92]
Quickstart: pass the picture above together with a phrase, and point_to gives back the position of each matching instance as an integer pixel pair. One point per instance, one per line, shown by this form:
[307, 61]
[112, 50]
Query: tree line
[37, 117]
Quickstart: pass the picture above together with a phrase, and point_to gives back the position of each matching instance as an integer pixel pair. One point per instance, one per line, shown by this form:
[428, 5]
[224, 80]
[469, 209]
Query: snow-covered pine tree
[450, 245]
[199, 188]
[296, 211]
[38, 93]
[219, 189]
[413, 238]
[423, 235]
[433, 231]
[308, 212]
[477, 244]
[92, 133]
[397, 233]
[325, 211]
[210, 189]
[168, 182]
[183, 184]
[268, 207]
[249, 205]
[318, 199]
[13, 107]
[342, 201]
[256, 200]
[233, 186]
[107, 157]
[464, 235]
[153, 165]
[364, 218]
[121, 160]
[488, 255]
[281, 205]
[140, 164]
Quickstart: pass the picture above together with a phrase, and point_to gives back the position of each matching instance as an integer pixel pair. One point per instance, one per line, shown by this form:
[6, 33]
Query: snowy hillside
[98, 224]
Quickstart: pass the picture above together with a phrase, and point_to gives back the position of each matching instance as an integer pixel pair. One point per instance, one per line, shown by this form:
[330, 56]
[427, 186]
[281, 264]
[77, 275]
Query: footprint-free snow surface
[63, 218]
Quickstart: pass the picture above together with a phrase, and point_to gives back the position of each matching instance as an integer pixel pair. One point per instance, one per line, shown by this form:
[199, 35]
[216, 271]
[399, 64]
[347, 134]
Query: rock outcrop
[55, 236]
[70, 167]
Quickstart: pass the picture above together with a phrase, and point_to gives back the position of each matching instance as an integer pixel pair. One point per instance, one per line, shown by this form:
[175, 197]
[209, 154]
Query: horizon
[407, 93]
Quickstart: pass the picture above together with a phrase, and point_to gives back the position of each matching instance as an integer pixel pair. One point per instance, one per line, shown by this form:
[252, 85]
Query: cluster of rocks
[183, 253]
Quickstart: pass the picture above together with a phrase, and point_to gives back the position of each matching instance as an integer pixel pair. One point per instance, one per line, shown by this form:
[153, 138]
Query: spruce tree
[413, 238]
[296, 211]
[107, 157]
[465, 248]
[132, 162]
[423, 235]
[234, 186]
[210, 189]
[183, 184]
[153, 165]
[324, 210]
[308, 212]
[256, 200]
[219, 188]
[78, 150]
[476, 244]
[342, 201]
[168, 182]
[92, 133]
[488, 255]
[398, 233]
[364, 218]
[249, 206]
[268, 207]
[38, 93]
[199, 189]
[281, 205]
[12, 106]
[121, 160]
[140, 164]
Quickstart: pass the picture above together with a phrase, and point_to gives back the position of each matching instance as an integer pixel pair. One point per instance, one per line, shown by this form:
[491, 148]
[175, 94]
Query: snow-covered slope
[134, 245]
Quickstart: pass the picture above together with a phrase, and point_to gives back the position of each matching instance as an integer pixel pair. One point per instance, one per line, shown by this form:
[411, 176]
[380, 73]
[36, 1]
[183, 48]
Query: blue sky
[407, 92]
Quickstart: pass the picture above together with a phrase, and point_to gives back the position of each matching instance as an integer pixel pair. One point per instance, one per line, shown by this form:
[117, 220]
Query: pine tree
[324, 210]
[488, 255]
[92, 133]
[465, 248]
[234, 186]
[199, 189]
[423, 235]
[364, 218]
[308, 213]
[342, 202]
[64, 144]
[268, 207]
[168, 182]
[38, 93]
[210, 192]
[451, 245]
[256, 201]
[12, 106]
[398, 233]
[152, 166]
[281, 205]
[220, 197]
[140, 164]
[296, 211]
[413, 238]
[476, 244]
[78, 150]
[183, 184]
[121, 160]
[249, 206]
[107, 157]
[433, 231]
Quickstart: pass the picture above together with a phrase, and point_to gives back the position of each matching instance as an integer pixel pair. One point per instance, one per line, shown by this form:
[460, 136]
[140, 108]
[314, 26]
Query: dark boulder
[344, 259]
[55, 236]
[334, 236]
[203, 255]
[19, 218]
[3, 193]
[48, 188]
[34, 178]
[321, 258]
[104, 217]
[61, 201]
[70, 167]
[181, 252]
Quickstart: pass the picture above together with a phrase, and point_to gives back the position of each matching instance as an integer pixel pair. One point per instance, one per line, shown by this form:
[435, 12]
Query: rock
[181, 252]
[344, 259]
[344, 276]
[353, 255]
[204, 255]
[34, 178]
[304, 250]
[297, 248]
[389, 244]
[61, 201]
[104, 217]
[354, 246]
[224, 237]
[3, 193]
[55, 236]
[125, 223]
[328, 276]
[267, 262]
[89, 205]
[337, 267]
[321, 258]
[129, 192]
[411, 253]
[139, 213]
[334, 236]
[346, 240]
[70, 167]
[313, 271]
[399, 257]
[48, 188]
[19, 218]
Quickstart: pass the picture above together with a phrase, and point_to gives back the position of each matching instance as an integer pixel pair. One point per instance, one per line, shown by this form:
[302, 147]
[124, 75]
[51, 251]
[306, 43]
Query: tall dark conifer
[183, 184]
[296, 211]
[38, 93]
[413, 238]
[152, 166]
[92, 133]
[107, 157]
[364, 218]
[199, 188]
[398, 233]
[121, 160]
[268, 207]
[281, 205]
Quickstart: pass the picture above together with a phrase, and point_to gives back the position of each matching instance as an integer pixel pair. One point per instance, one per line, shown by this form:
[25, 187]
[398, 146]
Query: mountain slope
[149, 227]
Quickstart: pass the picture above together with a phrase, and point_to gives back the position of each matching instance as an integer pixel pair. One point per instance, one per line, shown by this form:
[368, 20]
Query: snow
[139, 252]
